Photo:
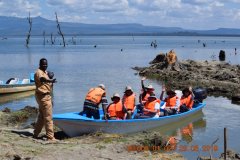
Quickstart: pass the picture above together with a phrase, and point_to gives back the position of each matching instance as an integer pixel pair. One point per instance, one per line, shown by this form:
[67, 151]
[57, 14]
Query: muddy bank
[17, 118]
[219, 78]
[16, 142]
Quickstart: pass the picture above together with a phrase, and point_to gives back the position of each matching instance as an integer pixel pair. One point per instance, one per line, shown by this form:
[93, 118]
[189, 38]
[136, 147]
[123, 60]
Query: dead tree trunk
[59, 29]
[44, 38]
[52, 41]
[29, 31]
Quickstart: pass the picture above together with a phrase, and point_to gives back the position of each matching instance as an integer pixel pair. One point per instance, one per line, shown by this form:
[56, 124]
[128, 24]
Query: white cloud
[19, 8]
[182, 13]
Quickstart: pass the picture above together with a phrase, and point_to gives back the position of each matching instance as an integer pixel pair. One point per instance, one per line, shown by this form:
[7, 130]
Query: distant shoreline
[126, 34]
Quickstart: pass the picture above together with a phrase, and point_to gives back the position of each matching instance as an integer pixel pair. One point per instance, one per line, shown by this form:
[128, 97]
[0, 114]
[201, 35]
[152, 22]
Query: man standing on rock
[43, 97]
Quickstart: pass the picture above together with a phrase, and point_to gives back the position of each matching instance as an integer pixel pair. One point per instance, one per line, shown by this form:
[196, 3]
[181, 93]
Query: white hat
[116, 95]
[128, 88]
[101, 86]
[149, 86]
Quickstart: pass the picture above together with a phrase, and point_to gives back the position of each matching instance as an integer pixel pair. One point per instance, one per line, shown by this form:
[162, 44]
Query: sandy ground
[18, 143]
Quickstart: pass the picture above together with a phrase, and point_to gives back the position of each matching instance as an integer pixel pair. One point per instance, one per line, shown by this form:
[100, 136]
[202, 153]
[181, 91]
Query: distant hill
[12, 26]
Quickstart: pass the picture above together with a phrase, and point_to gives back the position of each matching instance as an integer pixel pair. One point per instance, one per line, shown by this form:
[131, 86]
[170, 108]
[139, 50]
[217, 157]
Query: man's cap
[101, 86]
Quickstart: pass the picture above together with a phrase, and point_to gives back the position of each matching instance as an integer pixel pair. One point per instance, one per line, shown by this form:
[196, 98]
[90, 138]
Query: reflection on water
[5, 98]
[172, 129]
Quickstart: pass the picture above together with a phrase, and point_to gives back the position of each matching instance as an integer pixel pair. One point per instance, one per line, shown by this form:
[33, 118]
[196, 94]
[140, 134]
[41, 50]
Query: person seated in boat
[129, 102]
[151, 108]
[115, 109]
[94, 97]
[145, 93]
[171, 102]
[186, 101]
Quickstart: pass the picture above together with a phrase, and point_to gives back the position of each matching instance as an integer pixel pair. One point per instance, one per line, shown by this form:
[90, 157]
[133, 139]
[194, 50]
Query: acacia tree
[30, 29]
[59, 29]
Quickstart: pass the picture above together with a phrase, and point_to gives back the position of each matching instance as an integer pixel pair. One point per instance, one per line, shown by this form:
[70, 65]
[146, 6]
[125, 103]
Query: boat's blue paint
[75, 116]
[31, 77]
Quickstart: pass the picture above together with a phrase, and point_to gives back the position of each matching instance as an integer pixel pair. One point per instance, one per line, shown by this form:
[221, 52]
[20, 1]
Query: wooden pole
[225, 143]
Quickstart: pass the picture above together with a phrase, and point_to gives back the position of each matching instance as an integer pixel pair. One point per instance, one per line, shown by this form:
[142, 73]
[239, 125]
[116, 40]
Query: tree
[30, 29]
[59, 29]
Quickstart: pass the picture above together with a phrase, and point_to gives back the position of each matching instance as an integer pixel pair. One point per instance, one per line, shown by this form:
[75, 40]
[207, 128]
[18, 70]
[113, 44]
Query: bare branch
[29, 31]
[59, 28]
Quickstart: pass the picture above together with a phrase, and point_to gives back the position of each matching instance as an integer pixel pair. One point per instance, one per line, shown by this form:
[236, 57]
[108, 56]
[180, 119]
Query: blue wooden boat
[74, 124]
[14, 85]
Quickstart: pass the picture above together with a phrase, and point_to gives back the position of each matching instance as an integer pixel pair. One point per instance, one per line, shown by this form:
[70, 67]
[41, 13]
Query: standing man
[94, 97]
[43, 97]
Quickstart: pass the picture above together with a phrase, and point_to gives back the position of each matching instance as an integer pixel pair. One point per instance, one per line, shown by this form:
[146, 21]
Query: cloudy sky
[188, 14]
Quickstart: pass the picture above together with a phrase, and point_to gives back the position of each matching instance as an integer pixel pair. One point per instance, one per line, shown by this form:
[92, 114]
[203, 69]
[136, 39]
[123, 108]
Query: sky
[187, 14]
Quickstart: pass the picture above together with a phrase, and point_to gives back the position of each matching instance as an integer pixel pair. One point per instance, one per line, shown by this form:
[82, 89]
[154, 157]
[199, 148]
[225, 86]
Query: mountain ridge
[10, 26]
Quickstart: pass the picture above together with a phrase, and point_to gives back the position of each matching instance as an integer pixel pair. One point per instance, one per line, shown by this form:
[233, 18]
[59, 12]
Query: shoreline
[16, 142]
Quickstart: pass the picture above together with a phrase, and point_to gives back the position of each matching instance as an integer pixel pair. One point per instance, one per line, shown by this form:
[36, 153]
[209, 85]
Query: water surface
[82, 66]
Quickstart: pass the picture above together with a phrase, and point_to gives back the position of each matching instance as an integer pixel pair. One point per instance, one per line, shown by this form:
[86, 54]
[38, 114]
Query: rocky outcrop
[219, 78]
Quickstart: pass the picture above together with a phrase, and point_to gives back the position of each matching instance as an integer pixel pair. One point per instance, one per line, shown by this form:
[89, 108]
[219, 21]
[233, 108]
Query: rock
[6, 110]
[220, 78]
[222, 56]
[159, 58]
[236, 98]
[30, 109]
[231, 155]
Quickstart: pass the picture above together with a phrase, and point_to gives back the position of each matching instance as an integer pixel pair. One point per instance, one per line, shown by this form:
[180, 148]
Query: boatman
[94, 97]
[43, 97]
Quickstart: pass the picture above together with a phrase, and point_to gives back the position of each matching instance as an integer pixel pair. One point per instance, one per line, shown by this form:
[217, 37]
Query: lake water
[82, 66]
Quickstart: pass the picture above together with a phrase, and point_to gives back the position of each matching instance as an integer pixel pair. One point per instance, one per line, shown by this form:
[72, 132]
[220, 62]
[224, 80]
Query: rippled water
[81, 66]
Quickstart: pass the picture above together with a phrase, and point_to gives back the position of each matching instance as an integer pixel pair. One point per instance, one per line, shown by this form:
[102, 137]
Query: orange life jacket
[171, 102]
[112, 110]
[129, 101]
[150, 106]
[119, 110]
[188, 101]
[95, 95]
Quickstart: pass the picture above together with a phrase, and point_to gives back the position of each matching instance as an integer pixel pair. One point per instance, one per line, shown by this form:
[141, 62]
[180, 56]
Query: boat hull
[74, 125]
[15, 88]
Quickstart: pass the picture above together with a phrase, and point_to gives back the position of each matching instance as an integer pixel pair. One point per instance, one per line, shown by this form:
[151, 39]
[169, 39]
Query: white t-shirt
[157, 107]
